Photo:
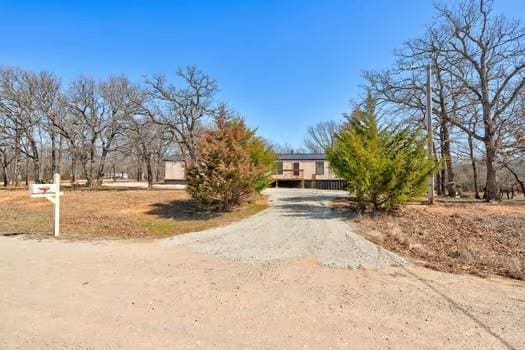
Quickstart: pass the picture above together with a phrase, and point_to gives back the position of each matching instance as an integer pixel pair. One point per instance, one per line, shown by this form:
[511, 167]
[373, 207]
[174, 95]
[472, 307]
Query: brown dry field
[112, 214]
[479, 238]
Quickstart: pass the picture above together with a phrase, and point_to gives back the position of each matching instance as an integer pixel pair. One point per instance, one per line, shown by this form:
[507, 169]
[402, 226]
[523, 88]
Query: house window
[319, 168]
[279, 168]
[296, 169]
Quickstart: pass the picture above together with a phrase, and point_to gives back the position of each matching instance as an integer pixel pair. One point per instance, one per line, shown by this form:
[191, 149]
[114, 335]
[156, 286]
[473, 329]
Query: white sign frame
[52, 193]
[43, 190]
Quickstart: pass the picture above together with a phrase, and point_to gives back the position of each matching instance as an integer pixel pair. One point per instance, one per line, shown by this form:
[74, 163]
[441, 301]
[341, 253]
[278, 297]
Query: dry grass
[110, 214]
[478, 238]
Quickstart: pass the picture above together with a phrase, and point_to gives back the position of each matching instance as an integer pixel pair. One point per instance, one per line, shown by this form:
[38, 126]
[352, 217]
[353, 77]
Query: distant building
[298, 170]
[174, 171]
[118, 175]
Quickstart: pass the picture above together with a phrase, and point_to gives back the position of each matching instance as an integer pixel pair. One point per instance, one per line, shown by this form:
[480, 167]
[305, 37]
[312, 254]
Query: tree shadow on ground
[11, 234]
[319, 207]
[319, 198]
[180, 210]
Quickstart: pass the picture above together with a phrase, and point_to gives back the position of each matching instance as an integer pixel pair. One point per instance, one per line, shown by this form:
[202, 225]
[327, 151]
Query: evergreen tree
[232, 165]
[263, 159]
[382, 167]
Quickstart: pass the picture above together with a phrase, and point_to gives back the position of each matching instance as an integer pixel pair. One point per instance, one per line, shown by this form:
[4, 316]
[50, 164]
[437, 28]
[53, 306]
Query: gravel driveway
[299, 223]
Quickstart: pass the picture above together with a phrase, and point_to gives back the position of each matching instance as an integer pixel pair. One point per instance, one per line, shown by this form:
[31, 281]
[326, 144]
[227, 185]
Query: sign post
[52, 193]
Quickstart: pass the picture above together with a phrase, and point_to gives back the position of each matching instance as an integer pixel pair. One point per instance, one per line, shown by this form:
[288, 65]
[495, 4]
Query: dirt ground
[125, 295]
[479, 238]
[291, 277]
[111, 213]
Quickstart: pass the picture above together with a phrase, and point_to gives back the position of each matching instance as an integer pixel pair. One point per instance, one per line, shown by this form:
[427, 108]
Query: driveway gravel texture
[300, 223]
[292, 277]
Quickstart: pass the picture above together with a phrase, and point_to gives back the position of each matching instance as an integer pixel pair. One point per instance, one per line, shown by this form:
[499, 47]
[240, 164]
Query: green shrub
[383, 168]
[263, 159]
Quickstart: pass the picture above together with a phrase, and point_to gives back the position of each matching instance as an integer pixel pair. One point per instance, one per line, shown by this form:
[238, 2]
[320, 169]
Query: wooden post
[52, 193]
[56, 205]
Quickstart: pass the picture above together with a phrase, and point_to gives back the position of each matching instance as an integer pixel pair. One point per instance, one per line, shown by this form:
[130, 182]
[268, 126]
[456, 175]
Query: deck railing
[289, 174]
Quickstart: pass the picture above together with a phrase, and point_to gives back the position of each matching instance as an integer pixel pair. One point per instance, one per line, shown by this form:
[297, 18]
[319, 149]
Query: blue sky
[283, 65]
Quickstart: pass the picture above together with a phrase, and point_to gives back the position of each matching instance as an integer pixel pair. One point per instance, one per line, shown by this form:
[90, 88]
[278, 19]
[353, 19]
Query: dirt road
[187, 294]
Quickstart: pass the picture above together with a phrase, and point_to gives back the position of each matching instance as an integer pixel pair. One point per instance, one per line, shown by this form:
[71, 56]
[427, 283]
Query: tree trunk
[59, 160]
[440, 175]
[492, 180]
[442, 182]
[101, 166]
[149, 172]
[73, 169]
[4, 173]
[438, 182]
[474, 168]
[517, 178]
[87, 169]
[53, 154]
[36, 161]
[90, 170]
[36, 170]
[16, 174]
[158, 175]
[6, 179]
[451, 185]
[26, 175]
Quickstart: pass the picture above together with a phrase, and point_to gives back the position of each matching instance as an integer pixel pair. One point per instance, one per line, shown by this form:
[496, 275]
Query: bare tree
[18, 91]
[287, 148]
[7, 150]
[321, 136]
[116, 95]
[96, 119]
[48, 97]
[512, 153]
[147, 140]
[183, 110]
[485, 53]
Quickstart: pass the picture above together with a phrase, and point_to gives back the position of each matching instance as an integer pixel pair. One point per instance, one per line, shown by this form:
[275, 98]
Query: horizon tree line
[87, 129]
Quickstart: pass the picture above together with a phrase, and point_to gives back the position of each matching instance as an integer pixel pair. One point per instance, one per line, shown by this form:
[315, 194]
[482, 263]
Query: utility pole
[430, 132]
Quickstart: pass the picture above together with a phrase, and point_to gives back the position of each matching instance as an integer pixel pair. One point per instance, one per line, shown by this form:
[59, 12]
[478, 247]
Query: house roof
[302, 156]
[281, 156]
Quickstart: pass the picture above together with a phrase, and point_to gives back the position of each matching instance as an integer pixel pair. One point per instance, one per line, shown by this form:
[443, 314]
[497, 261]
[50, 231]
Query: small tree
[232, 165]
[383, 168]
[263, 159]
